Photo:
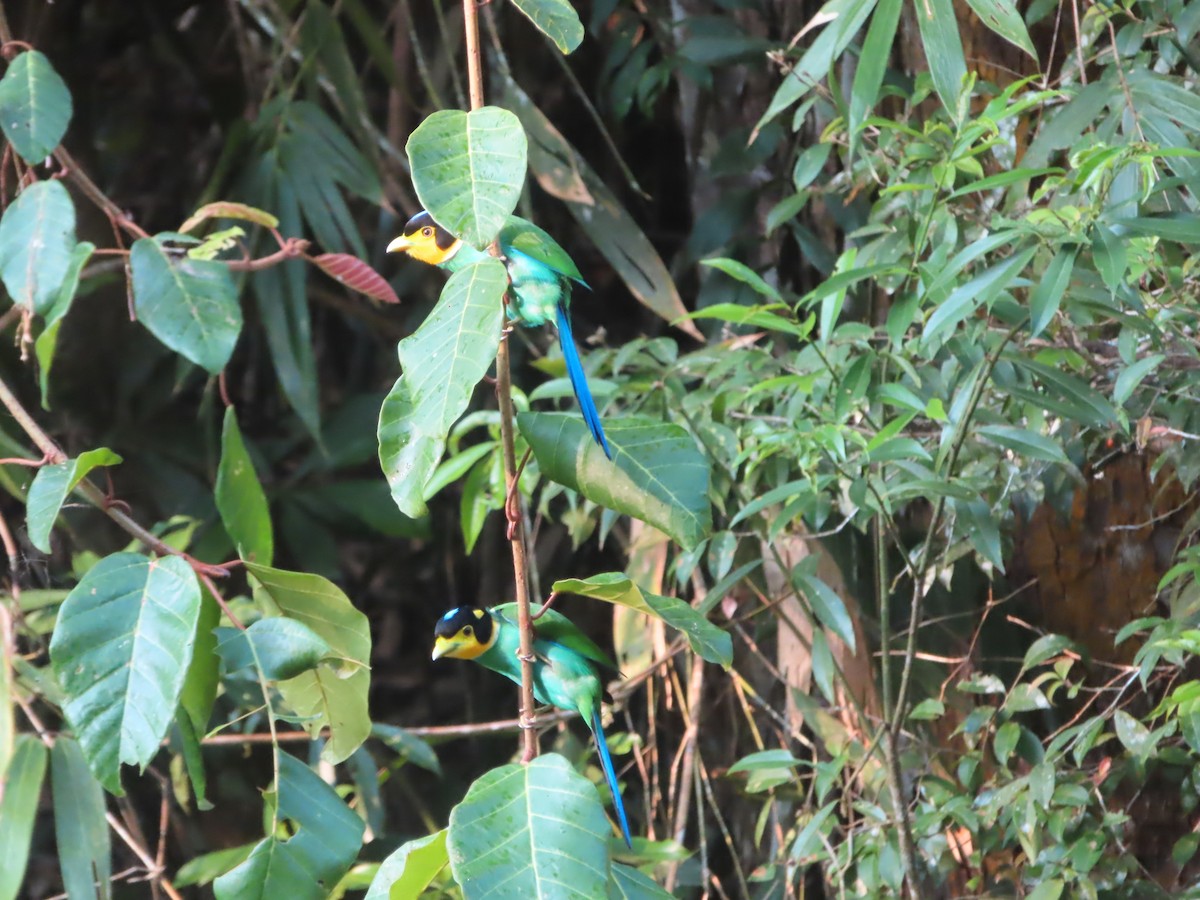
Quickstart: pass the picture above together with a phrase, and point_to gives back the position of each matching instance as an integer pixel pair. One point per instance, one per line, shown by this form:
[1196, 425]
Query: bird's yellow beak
[442, 646]
[400, 245]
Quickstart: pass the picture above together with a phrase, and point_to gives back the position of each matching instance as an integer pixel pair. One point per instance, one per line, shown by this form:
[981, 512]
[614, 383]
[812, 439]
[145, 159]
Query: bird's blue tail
[610, 775]
[579, 380]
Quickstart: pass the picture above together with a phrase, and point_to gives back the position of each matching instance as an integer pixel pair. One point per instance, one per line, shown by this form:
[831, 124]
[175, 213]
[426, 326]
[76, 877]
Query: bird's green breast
[561, 676]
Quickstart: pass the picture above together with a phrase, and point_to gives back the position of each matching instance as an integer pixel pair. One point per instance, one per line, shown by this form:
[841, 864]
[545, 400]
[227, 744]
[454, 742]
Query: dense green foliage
[895, 357]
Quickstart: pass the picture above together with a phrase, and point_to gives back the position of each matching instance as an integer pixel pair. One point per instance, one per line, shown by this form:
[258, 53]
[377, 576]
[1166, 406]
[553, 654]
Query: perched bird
[540, 274]
[564, 671]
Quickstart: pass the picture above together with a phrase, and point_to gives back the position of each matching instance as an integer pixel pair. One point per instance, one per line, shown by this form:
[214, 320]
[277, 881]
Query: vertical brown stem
[504, 398]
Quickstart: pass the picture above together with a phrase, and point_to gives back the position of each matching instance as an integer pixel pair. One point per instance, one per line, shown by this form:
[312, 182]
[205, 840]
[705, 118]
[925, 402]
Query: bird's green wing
[521, 234]
[554, 626]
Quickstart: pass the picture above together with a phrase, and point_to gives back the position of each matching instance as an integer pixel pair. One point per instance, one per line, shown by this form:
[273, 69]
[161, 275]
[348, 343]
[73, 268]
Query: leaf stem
[516, 533]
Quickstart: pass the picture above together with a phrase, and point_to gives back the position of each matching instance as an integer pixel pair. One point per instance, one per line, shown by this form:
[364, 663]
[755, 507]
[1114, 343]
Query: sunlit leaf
[37, 242]
[556, 19]
[657, 473]
[441, 365]
[279, 648]
[468, 170]
[410, 869]
[239, 496]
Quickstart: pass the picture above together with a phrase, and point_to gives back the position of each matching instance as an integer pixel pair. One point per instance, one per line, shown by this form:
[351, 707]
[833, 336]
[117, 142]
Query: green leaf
[1047, 294]
[1002, 17]
[468, 170]
[80, 830]
[657, 474]
[281, 302]
[563, 173]
[872, 65]
[1110, 256]
[330, 695]
[188, 304]
[37, 239]
[1131, 376]
[1050, 889]
[22, 787]
[325, 839]
[1064, 393]
[1025, 442]
[1044, 648]
[1133, 734]
[764, 760]
[1181, 228]
[240, 498]
[706, 639]
[556, 19]
[549, 820]
[120, 652]
[47, 341]
[51, 486]
[808, 841]
[928, 710]
[410, 868]
[442, 363]
[747, 276]
[756, 317]
[943, 49]
[830, 609]
[628, 883]
[203, 674]
[204, 868]
[35, 106]
[278, 648]
[1007, 736]
[979, 291]
[845, 18]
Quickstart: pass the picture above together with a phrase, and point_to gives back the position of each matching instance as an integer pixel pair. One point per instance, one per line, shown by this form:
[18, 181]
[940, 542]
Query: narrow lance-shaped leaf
[550, 822]
[1047, 294]
[227, 209]
[35, 106]
[240, 498]
[37, 237]
[657, 474]
[120, 652]
[868, 76]
[50, 489]
[188, 304]
[468, 170]
[705, 638]
[326, 836]
[84, 847]
[828, 606]
[356, 275]
[47, 341]
[943, 49]
[334, 694]
[441, 363]
[18, 810]
[1003, 17]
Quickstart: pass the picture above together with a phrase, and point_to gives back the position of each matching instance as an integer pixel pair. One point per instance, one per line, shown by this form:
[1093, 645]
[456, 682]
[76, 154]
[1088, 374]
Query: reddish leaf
[227, 209]
[356, 275]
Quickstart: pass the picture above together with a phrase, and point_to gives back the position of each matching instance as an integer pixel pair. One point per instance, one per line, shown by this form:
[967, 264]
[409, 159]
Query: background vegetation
[914, 285]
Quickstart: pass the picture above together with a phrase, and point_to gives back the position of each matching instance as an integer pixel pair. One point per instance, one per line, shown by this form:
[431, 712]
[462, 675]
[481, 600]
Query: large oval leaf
[274, 648]
[550, 824]
[706, 639]
[331, 695]
[188, 304]
[37, 237]
[35, 106]
[468, 170]
[657, 474]
[442, 363]
[120, 651]
[325, 838]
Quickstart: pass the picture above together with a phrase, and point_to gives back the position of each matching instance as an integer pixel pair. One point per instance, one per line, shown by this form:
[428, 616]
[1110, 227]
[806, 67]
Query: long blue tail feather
[579, 380]
[610, 775]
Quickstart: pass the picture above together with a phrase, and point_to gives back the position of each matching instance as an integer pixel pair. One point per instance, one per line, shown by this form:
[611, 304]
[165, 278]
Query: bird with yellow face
[540, 275]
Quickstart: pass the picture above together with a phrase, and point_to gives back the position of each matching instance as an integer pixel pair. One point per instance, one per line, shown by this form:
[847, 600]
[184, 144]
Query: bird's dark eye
[467, 631]
[427, 231]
